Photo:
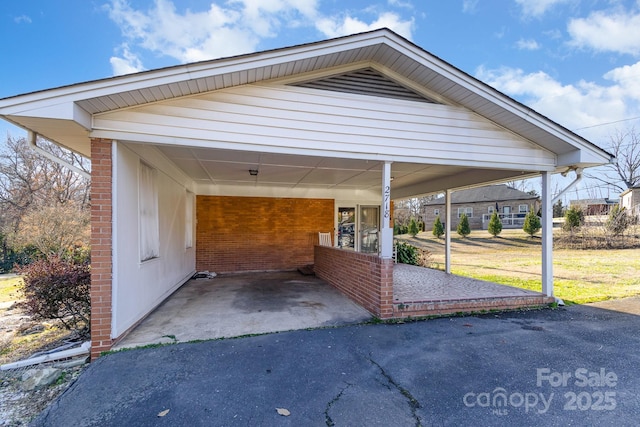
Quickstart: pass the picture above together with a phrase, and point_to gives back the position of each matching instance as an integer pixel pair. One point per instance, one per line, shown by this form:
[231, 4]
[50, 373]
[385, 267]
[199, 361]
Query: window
[490, 209]
[436, 212]
[148, 213]
[188, 222]
[523, 208]
[466, 211]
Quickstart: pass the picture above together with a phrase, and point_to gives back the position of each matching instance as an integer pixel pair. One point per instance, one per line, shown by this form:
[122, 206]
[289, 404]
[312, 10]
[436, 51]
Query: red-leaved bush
[58, 289]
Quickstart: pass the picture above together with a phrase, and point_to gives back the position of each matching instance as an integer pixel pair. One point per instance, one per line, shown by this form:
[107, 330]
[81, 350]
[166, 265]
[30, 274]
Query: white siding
[327, 123]
[139, 287]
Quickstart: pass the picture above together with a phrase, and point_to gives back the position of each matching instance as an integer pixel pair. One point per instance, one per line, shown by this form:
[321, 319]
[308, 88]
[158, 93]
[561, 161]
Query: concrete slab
[244, 304]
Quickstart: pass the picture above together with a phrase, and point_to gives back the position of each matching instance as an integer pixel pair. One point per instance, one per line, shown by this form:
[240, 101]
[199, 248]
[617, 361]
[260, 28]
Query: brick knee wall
[101, 245]
[259, 233]
[366, 279]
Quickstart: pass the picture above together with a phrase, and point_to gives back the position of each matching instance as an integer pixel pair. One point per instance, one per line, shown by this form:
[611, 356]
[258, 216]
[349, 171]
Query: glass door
[346, 227]
[368, 228]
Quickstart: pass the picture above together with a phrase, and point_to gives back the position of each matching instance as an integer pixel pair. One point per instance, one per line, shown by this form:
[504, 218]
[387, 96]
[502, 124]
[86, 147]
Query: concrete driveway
[245, 304]
[578, 365]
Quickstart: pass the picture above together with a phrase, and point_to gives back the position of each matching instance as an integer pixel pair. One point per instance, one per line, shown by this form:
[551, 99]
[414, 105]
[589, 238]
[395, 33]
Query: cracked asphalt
[578, 365]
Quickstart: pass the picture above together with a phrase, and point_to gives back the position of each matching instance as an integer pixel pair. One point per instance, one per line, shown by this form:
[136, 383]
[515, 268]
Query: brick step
[430, 308]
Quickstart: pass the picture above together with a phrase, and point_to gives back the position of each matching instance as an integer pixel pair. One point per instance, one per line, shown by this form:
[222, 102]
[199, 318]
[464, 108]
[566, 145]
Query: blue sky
[578, 62]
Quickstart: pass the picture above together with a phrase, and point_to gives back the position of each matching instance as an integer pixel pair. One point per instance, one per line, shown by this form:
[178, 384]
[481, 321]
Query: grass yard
[514, 259]
[9, 288]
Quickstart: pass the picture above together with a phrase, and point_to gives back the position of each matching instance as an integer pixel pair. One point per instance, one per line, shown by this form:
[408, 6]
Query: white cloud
[537, 8]
[400, 3]
[575, 106]
[469, 6]
[232, 28]
[528, 44]
[342, 25]
[127, 64]
[607, 31]
[22, 19]
[187, 37]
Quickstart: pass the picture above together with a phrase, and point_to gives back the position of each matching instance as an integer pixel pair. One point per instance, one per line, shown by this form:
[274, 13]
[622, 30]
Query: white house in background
[236, 164]
[630, 200]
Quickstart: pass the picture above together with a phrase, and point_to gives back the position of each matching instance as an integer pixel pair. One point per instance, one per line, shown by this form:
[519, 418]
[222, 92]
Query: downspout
[31, 137]
[575, 182]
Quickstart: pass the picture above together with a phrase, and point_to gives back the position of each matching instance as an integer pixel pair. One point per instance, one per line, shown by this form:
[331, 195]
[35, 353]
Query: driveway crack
[327, 417]
[414, 404]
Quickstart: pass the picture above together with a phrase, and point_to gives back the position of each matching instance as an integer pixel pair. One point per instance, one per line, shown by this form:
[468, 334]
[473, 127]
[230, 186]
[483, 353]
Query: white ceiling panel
[208, 154]
[227, 170]
[365, 179]
[331, 176]
[192, 168]
[289, 160]
[282, 174]
[349, 164]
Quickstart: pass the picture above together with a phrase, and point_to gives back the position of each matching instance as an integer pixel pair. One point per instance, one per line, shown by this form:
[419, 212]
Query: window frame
[148, 213]
[466, 210]
[188, 219]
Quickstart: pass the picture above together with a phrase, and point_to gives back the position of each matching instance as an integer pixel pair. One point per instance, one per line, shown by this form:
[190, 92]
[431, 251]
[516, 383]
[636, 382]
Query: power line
[607, 123]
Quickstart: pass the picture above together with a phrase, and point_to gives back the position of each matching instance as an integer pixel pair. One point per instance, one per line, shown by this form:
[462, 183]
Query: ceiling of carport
[227, 167]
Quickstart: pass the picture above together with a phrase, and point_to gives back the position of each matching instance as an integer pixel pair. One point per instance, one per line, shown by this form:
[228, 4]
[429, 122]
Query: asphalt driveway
[571, 366]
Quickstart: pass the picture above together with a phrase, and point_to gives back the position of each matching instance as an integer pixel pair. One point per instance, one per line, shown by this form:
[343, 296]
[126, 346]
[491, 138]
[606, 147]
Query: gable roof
[488, 194]
[64, 115]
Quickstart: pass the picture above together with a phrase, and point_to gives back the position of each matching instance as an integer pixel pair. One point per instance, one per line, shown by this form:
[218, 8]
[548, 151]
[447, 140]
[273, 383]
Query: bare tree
[625, 173]
[30, 182]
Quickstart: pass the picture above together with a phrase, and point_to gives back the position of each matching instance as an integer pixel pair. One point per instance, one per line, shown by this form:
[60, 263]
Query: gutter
[575, 182]
[31, 138]
[65, 354]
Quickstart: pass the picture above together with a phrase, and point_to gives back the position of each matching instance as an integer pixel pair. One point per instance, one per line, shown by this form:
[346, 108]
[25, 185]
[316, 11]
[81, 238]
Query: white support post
[386, 232]
[547, 236]
[447, 232]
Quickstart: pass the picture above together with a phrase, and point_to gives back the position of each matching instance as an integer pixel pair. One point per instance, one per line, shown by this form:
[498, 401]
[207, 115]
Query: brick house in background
[479, 204]
[591, 207]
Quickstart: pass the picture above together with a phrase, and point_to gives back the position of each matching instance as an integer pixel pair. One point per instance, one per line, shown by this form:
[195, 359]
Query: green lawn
[580, 276]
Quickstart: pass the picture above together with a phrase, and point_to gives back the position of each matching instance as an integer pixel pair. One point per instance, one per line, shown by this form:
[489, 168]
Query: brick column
[386, 288]
[101, 245]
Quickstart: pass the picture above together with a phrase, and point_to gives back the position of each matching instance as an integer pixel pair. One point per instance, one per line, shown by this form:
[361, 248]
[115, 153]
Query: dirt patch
[20, 338]
[19, 407]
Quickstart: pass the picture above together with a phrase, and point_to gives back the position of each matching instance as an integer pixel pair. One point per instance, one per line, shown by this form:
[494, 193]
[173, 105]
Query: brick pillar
[386, 288]
[101, 245]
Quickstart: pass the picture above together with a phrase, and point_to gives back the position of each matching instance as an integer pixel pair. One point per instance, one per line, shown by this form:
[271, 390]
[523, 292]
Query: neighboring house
[630, 200]
[236, 164]
[479, 203]
[594, 207]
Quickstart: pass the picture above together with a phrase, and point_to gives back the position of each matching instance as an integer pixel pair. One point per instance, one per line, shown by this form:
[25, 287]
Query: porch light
[253, 172]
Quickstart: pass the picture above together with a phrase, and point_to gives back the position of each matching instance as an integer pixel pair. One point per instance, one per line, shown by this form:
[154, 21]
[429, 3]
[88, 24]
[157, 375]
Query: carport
[243, 304]
[236, 164]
